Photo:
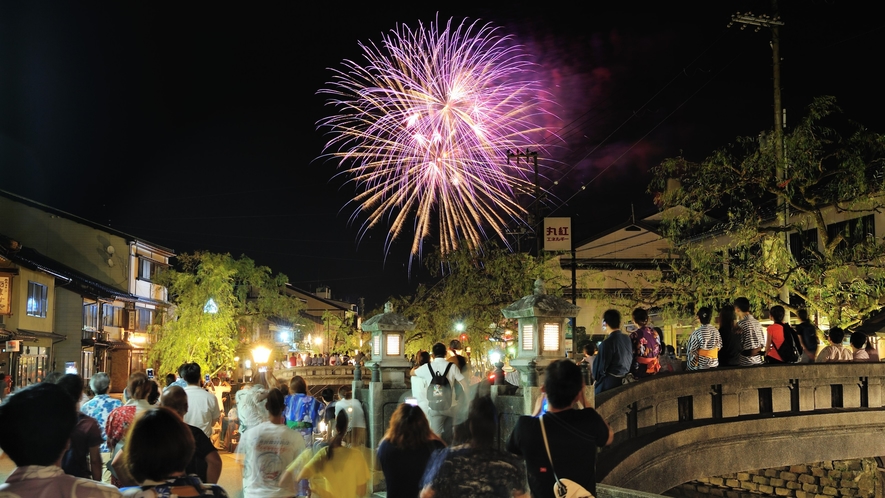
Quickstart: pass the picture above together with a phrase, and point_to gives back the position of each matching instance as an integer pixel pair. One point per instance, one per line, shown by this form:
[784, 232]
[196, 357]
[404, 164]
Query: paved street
[231, 473]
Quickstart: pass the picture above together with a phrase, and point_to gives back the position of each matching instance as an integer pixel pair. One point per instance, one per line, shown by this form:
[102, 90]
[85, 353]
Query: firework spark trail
[423, 125]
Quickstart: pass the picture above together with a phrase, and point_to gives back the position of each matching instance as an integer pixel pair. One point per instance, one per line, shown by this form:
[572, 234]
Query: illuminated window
[376, 346]
[393, 345]
[148, 268]
[551, 337]
[90, 316]
[37, 300]
[528, 340]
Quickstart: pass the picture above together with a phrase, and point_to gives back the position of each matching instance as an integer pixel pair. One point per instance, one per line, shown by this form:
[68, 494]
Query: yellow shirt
[338, 477]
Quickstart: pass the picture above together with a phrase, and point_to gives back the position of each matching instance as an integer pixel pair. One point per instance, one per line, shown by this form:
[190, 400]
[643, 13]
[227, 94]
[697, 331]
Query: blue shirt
[615, 356]
[99, 408]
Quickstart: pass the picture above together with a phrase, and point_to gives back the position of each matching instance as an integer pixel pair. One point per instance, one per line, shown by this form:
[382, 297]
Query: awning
[113, 345]
[24, 335]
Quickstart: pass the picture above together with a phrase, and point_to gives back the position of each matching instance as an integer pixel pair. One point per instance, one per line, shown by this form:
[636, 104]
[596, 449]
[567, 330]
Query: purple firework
[423, 126]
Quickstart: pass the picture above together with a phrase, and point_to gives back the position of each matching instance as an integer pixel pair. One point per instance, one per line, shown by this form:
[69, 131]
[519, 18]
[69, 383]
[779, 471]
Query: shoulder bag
[564, 488]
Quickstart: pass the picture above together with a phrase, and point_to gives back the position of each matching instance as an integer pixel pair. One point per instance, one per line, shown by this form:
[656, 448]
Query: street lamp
[261, 355]
[495, 359]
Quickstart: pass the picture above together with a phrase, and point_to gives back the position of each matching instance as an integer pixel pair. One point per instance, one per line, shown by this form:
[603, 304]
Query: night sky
[193, 126]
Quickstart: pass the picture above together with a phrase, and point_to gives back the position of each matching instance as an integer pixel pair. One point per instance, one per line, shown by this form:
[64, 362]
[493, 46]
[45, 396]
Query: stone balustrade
[679, 427]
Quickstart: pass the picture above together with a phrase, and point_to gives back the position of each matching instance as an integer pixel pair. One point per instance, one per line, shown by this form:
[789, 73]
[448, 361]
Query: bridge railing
[322, 371]
[678, 427]
[640, 407]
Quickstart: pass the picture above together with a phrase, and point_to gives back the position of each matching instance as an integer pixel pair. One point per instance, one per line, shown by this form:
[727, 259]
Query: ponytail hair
[275, 402]
[341, 422]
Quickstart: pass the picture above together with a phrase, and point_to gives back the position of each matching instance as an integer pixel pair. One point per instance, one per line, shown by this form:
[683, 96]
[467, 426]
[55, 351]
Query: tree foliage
[723, 219]
[472, 288]
[246, 296]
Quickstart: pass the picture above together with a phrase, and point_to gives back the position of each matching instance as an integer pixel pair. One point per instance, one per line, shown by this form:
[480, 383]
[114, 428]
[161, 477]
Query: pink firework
[423, 126]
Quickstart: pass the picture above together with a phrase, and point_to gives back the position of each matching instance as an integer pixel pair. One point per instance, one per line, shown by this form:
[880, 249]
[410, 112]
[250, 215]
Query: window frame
[41, 302]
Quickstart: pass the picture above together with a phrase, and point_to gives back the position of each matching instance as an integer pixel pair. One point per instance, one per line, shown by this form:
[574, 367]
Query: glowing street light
[459, 327]
[261, 355]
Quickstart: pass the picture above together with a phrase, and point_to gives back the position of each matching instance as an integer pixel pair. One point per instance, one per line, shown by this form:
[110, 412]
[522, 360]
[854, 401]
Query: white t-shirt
[355, 413]
[439, 366]
[202, 409]
[269, 449]
[419, 392]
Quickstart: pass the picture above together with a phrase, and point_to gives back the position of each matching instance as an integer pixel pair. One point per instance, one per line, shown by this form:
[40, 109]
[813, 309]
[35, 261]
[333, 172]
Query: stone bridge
[675, 428]
[318, 378]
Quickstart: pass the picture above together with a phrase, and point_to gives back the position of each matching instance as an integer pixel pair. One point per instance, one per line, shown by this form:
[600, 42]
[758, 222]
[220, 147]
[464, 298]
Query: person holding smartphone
[203, 411]
[574, 431]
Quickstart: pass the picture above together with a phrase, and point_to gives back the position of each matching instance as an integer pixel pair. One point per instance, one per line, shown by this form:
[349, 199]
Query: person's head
[275, 402]
[158, 445]
[802, 314]
[100, 383]
[52, 377]
[562, 383]
[612, 318]
[640, 317]
[439, 350]
[742, 304]
[175, 399]
[37, 422]
[298, 385]
[284, 388]
[73, 386]
[589, 349]
[192, 374]
[327, 394]
[423, 357]
[181, 369]
[345, 392]
[409, 427]
[454, 345]
[836, 335]
[705, 314]
[482, 421]
[858, 340]
[155, 392]
[170, 379]
[726, 318]
[138, 385]
[660, 332]
[777, 313]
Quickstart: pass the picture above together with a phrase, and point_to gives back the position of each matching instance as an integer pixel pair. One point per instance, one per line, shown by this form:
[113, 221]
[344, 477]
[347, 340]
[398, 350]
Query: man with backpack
[441, 377]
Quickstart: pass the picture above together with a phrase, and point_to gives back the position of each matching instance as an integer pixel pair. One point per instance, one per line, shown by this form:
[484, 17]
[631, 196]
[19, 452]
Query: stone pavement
[231, 473]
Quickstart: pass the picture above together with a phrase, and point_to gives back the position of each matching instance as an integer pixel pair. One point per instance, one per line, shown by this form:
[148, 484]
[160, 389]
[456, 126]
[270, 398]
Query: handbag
[563, 488]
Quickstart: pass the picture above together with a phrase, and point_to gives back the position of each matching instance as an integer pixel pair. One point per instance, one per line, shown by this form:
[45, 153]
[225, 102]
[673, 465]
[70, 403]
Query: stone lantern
[388, 338]
[542, 321]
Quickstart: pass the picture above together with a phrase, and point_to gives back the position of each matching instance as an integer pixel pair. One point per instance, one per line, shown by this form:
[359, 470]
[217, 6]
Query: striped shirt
[752, 337]
[705, 337]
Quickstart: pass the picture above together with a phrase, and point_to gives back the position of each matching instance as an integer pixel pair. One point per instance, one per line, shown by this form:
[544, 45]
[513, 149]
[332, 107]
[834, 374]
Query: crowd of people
[159, 443]
[737, 340]
[439, 442]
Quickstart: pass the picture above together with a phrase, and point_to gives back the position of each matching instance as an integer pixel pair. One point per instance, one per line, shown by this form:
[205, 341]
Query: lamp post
[261, 355]
[495, 360]
[541, 337]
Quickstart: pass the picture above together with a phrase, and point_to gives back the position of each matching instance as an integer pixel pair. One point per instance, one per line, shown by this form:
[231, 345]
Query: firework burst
[423, 126]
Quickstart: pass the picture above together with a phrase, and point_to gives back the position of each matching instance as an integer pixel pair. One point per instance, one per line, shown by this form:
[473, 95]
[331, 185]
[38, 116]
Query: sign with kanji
[13, 346]
[557, 234]
[5, 294]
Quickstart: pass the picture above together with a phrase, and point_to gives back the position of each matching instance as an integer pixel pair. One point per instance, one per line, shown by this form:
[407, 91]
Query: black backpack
[439, 391]
[789, 350]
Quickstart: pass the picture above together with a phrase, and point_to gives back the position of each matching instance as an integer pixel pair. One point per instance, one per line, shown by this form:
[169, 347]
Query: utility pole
[536, 222]
[774, 23]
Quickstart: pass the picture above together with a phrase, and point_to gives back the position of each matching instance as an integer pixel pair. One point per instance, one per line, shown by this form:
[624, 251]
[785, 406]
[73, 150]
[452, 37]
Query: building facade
[103, 303]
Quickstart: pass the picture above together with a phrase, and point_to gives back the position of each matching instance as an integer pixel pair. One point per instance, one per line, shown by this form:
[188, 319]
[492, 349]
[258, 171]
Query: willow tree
[219, 302]
[469, 291]
[731, 219]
